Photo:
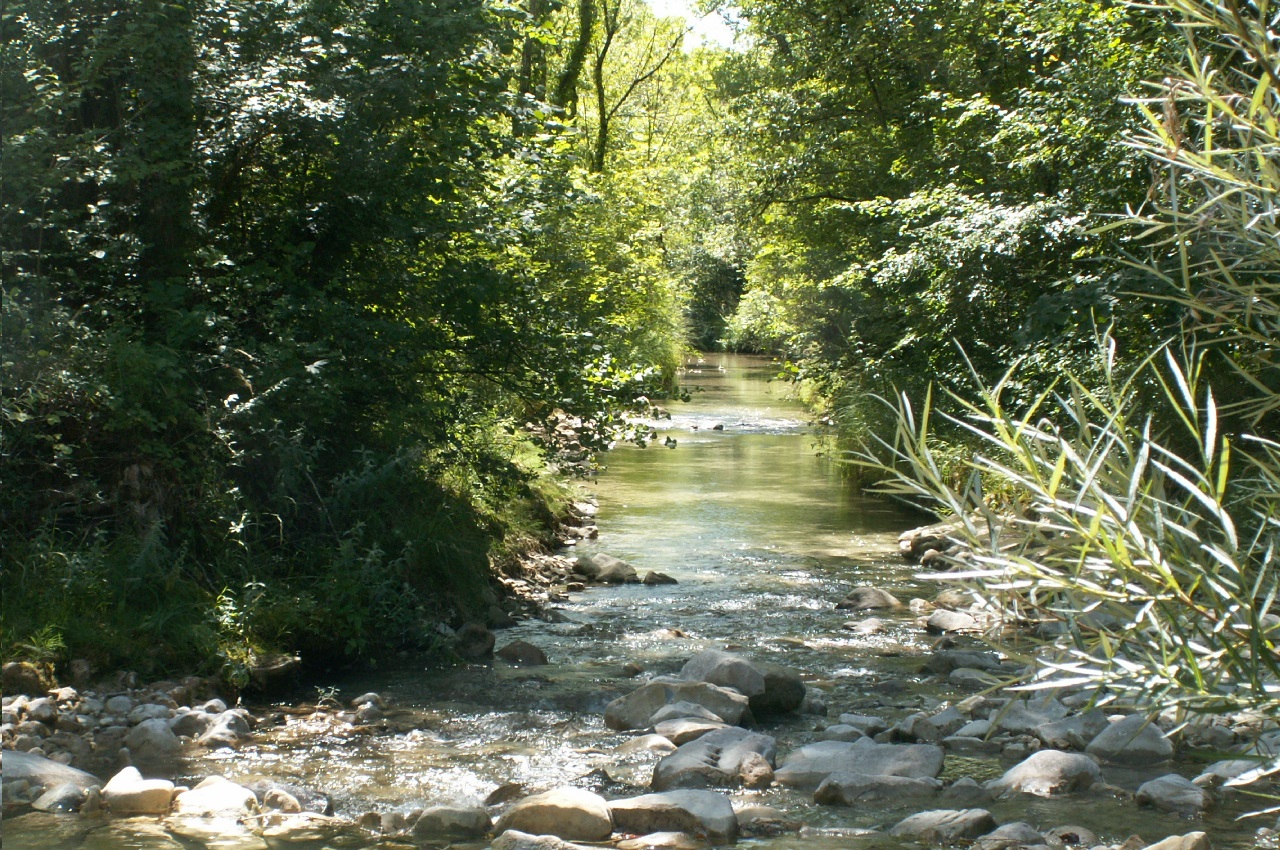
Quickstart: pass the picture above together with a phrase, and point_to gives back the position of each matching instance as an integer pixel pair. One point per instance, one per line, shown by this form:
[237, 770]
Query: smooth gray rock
[569, 813]
[514, 839]
[1132, 741]
[1073, 732]
[40, 772]
[943, 622]
[191, 724]
[841, 732]
[60, 799]
[865, 724]
[945, 660]
[635, 710]
[152, 743]
[1048, 773]
[726, 669]
[868, 599]
[808, 766]
[682, 730]
[1174, 793]
[698, 812]
[452, 822]
[1008, 836]
[944, 826]
[712, 760]
[683, 711]
[852, 789]
[230, 729]
[784, 690]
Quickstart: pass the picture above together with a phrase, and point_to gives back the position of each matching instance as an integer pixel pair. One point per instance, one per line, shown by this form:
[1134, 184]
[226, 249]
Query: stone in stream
[230, 729]
[945, 826]
[61, 799]
[452, 822]
[841, 732]
[682, 730]
[1048, 773]
[764, 822]
[784, 690]
[1075, 732]
[1190, 841]
[698, 812]
[522, 654]
[569, 813]
[944, 622]
[129, 794]
[945, 660]
[606, 569]
[1174, 793]
[44, 773]
[216, 796]
[654, 578]
[474, 642]
[869, 626]
[1073, 836]
[1132, 741]
[868, 599]
[683, 711]
[808, 766]
[635, 710]
[1009, 836]
[853, 789]
[152, 744]
[725, 669]
[715, 759]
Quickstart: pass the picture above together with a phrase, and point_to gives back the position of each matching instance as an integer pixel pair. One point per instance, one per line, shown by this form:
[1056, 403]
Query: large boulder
[635, 710]
[23, 677]
[945, 826]
[713, 760]
[854, 789]
[228, 729]
[1134, 740]
[570, 813]
[699, 812]
[1048, 773]
[808, 766]
[129, 794]
[522, 654]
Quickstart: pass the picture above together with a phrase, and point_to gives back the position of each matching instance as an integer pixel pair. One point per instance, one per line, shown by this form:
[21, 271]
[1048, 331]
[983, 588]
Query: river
[763, 537]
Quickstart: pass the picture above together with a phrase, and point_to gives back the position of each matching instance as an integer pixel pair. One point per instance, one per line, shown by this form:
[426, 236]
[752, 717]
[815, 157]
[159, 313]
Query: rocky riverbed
[727, 747]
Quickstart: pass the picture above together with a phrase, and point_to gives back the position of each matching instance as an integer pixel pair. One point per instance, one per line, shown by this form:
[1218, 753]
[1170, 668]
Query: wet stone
[1132, 741]
[1174, 793]
[944, 826]
[1048, 773]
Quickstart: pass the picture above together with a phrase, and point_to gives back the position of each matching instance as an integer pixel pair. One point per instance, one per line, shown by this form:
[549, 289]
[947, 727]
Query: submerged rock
[868, 599]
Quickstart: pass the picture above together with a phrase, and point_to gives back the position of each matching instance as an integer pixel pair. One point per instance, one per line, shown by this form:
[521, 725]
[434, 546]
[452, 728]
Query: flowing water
[764, 538]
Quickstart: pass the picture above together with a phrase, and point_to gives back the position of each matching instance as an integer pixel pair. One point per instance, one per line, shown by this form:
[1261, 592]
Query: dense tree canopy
[292, 289]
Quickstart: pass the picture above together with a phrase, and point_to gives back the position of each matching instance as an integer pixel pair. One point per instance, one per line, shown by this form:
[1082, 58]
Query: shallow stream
[764, 538]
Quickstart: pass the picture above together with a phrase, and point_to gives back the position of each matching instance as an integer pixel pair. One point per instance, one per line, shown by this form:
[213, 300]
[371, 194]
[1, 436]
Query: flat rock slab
[808, 766]
[696, 812]
[683, 710]
[635, 710]
[713, 760]
[569, 813]
[1048, 773]
[1132, 741]
[944, 826]
[852, 789]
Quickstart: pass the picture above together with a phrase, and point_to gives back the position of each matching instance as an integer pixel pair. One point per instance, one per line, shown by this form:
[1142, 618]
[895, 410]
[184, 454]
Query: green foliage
[279, 286]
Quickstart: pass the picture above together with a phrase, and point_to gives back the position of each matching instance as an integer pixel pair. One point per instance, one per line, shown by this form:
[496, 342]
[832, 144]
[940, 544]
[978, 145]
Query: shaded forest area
[295, 291]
